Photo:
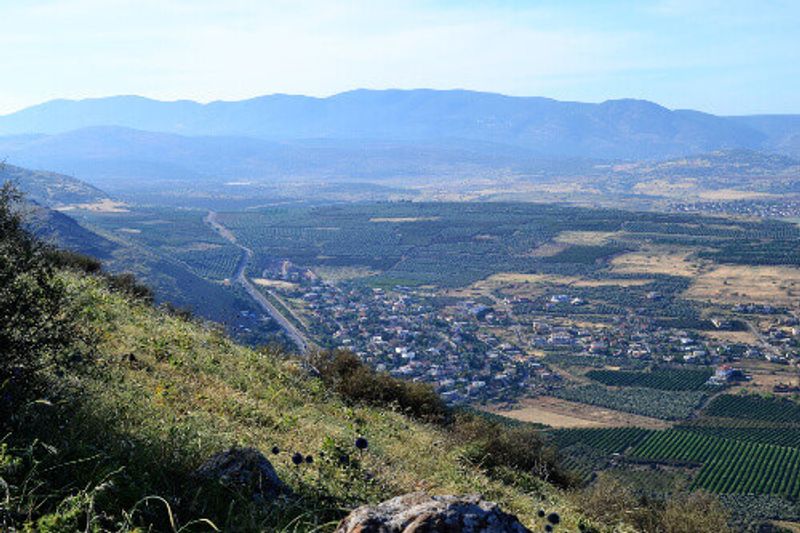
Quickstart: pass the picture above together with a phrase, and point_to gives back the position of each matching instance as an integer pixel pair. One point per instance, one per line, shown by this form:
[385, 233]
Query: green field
[666, 405]
[779, 410]
[667, 379]
[728, 466]
[607, 440]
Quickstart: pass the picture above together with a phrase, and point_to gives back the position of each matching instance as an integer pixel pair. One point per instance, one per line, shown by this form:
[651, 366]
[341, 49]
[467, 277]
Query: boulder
[244, 470]
[418, 512]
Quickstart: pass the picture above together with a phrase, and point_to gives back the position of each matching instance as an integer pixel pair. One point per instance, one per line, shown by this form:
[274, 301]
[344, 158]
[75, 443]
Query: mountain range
[615, 129]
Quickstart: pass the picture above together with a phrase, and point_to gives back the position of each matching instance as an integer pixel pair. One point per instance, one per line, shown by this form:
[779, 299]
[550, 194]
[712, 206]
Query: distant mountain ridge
[615, 129]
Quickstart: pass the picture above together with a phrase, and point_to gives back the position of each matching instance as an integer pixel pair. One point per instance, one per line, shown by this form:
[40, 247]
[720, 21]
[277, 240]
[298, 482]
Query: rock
[418, 512]
[244, 470]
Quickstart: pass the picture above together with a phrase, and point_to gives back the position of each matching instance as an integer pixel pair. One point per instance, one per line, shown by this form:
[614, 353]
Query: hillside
[49, 188]
[628, 129]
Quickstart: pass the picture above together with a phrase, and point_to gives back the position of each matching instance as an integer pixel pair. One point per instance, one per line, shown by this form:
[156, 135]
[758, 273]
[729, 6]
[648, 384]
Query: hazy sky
[721, 56]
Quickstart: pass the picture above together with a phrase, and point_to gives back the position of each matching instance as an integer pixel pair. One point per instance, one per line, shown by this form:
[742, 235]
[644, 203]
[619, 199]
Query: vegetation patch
[664, 379]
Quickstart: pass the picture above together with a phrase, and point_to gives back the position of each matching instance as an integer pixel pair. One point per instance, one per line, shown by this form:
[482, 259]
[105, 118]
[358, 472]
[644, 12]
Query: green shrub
[74, 261]
[344, 373]
[34, 329]
[497, 446]
[128, 284]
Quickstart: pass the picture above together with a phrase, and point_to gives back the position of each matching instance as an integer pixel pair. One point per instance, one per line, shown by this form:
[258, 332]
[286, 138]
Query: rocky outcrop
[244, 470]
[418, 512]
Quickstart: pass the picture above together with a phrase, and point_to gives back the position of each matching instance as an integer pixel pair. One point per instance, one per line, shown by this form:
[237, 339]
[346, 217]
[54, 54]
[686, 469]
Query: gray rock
[418, 512]
[244, 470]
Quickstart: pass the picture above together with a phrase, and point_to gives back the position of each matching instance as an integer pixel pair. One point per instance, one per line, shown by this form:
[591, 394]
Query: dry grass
[274, 283]
[527, 285]
[742, 337]
[666, 187]
[196, 247]
[733, 194]
[403, 219]
[103, 206]
[731, 284]
[335, 274]
[658, 261]
[548, 249]
[587, 238]
[565, 414]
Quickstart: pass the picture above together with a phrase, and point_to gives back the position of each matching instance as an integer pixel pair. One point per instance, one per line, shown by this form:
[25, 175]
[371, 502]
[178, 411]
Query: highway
[240, 277]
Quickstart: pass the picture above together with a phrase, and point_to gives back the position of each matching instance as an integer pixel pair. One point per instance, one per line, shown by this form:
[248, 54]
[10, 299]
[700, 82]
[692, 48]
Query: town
[503, 349]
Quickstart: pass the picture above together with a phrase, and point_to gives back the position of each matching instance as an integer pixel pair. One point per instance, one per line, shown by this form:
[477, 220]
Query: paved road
[240, 276]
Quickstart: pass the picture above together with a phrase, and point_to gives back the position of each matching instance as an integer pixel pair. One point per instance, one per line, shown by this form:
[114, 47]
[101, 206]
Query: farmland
[666, 405]
[672, 380]
[607, 440]
[728, 466]
[751, 407]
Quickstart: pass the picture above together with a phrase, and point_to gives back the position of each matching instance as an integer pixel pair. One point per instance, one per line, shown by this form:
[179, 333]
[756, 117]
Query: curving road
[241, 278]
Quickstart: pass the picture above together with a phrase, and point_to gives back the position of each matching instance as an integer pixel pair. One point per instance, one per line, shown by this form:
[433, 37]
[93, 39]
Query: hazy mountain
[119, 158]
[782, 131]
[630, 129]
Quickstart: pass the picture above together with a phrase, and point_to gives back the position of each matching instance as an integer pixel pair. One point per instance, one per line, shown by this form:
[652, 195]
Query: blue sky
[726, 57]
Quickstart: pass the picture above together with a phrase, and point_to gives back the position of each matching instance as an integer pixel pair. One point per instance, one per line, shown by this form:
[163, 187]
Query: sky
[721, 56]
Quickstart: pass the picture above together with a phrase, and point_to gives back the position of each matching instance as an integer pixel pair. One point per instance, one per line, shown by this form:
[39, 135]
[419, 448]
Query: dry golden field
[559, 413]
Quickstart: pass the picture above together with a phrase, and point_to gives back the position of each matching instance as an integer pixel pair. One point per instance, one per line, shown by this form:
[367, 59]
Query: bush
[34, 328]
[74, 261]
[497, 446]
[128, 284]
[345, 374]
[613, 502]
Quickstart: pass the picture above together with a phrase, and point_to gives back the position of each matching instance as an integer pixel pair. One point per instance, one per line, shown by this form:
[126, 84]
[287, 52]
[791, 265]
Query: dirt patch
[559, 413]
[548, 249]
[404, 219]
[733, 194]
[587, 238]
[732, 284]
[197, 247]
[664, 187]
[741, 337]
[528, 285]
[274, 283]
[336, 274]
[656, 261]
[103, 206]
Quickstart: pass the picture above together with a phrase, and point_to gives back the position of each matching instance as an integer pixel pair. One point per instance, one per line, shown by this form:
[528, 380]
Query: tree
[33, 325]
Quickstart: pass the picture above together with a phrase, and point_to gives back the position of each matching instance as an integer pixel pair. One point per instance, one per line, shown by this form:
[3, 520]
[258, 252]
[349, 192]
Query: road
[240, 277]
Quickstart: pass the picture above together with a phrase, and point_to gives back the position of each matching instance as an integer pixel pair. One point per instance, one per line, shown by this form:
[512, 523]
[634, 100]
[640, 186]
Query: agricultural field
[607, 440]
[728, 466]
[752, 407]
[422, 243]
[666, 405]
[668, 379]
